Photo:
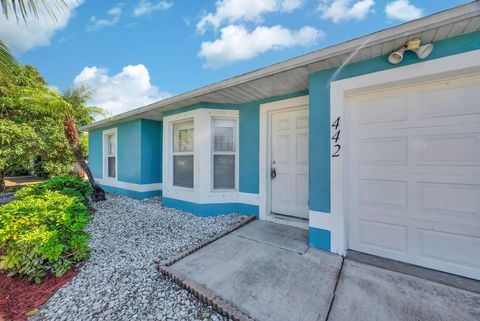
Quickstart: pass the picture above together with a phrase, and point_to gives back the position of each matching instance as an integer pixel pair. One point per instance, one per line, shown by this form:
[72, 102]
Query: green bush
[70, 185]
[40, 234]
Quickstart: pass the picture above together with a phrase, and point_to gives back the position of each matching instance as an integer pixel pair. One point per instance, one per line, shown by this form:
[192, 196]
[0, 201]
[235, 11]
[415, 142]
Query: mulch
[19, 296]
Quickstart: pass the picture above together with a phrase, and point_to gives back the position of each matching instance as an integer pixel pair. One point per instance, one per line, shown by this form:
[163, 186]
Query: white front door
[289, 162]
[414, 175]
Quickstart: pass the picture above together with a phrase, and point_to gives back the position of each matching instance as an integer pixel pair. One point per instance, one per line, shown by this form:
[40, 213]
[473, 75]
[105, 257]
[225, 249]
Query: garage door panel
[444, 247]
[374, 112]
[460, 201]
[389, 194]
[381, 236]
[382, 151]
[450, 149]
[451, 100]
[414, 182]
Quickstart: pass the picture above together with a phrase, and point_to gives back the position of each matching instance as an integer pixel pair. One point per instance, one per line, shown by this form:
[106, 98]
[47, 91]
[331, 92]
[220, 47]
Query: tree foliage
[29, 129]
[32, 123]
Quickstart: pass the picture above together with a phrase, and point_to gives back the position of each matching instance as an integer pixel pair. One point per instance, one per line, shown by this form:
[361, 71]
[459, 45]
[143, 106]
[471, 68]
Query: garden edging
[197, 290]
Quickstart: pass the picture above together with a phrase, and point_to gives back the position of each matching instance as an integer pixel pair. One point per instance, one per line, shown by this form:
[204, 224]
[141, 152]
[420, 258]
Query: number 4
[336, 137]
[336, 123]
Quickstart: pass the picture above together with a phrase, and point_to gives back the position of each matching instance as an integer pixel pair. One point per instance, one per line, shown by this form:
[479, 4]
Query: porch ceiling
[292, 75]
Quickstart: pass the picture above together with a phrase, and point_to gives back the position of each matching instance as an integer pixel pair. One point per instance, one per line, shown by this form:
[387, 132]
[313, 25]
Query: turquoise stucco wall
[132, 194]
[139, 153]
[128, 151]
[95, 153]
[213, 209]
[151, 151]
[319, 145]
[319, 238]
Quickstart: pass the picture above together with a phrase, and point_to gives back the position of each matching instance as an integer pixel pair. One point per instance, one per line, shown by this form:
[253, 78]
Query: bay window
[183, 151]
[201, 156]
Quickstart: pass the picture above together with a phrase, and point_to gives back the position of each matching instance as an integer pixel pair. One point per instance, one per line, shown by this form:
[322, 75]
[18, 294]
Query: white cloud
[115, 11]
[124, 91]
[244, 10]
[402, 10]
[147, 7]
[23, 36]
[344, 10]
[237, 43]
[290, 5]
[114, 17]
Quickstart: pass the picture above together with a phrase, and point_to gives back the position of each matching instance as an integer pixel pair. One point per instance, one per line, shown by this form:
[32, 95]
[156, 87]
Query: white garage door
[414, 174]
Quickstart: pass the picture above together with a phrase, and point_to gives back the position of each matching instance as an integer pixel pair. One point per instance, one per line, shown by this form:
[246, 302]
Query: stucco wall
[139, 152]
[151, 151]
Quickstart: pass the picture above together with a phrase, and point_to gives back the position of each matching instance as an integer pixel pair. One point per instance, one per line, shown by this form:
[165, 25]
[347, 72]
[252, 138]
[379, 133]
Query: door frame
[266, 111]
[455, 66]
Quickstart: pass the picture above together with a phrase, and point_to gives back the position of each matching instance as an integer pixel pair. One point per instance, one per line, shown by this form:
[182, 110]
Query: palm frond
[79, 97]
[28, 8]
[8, 63]
[98, 111]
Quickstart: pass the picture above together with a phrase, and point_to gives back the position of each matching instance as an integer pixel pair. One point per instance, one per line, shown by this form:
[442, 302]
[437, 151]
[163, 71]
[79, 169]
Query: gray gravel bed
[120, 280]
[6, 198]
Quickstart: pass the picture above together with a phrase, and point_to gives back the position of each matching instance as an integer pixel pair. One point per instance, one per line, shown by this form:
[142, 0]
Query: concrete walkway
[268, 272]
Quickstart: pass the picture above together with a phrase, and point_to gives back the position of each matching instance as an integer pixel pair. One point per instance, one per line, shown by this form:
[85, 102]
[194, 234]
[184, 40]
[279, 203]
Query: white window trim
[190, 153]
[235, 153]
[105, 135]
[451, 66]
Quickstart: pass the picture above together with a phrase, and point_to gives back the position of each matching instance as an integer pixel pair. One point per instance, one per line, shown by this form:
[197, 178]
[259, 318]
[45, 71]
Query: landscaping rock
[120, 280]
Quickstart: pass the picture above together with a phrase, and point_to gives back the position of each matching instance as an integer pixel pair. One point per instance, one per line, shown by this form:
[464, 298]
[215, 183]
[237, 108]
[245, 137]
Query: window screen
[183, 148]
[111, 155]
[183, 171]
[224, 171]
[224, 153]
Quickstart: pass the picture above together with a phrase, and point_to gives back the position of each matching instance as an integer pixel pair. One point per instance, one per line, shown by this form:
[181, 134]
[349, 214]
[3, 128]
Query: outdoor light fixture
[422, 51]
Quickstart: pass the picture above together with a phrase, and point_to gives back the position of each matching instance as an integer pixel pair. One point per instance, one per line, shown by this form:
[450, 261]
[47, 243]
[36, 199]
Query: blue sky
[134, 52]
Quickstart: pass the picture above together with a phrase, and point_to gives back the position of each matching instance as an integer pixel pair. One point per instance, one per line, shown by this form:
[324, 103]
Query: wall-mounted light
[422, 51]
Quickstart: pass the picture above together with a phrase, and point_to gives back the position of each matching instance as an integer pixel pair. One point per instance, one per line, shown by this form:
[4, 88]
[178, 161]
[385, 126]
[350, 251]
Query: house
[368, 155]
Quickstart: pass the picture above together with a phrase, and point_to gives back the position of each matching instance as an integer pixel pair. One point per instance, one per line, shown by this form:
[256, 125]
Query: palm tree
[73, 102]
[76, 99]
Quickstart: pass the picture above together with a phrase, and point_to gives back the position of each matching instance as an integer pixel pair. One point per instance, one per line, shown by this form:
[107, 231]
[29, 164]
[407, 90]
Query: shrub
[45, 233]
[70, 185]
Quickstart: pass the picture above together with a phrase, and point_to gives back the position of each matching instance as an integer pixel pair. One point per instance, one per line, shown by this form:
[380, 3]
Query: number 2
[337, 152]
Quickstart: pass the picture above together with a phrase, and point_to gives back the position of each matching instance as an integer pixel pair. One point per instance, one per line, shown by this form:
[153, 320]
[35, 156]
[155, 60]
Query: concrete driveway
[268, 272]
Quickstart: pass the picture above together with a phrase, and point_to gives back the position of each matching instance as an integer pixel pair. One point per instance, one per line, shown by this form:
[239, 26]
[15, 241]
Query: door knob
[273, 173]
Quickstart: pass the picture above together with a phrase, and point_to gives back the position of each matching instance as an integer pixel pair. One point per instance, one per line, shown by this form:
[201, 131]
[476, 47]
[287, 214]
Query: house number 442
[335, 138]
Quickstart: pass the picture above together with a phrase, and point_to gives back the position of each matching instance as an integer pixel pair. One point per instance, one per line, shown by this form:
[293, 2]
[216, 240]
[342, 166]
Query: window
[224, 153]
[110, 139]
[183, 154]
